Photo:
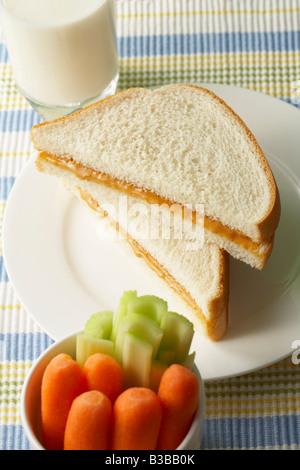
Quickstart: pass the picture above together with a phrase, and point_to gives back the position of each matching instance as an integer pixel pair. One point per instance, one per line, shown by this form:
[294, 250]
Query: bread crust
[269, 223]
[217, 325]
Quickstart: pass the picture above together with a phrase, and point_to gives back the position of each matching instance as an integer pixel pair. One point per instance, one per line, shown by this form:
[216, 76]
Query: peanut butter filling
[213, 226]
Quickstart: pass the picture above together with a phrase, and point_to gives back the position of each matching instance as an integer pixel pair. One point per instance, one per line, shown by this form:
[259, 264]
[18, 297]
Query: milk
[62, 51]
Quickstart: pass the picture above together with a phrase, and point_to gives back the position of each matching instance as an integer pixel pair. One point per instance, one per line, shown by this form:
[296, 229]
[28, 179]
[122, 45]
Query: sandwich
[184, 150]
[179, 144]
[189, 272]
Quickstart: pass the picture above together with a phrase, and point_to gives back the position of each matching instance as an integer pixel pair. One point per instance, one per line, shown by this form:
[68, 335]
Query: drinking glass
[63, 52]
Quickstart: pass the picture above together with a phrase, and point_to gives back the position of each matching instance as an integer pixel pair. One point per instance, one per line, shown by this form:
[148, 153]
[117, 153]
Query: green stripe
[10, 401]
[258, 380]
[5, 391]
[136, 78]
[284, 68]
[13, 383]
[210, 70]
[165, 74]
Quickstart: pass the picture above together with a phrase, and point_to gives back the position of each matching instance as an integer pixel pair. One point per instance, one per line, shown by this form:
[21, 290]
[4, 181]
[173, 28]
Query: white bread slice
[198, 280]
[178, 144]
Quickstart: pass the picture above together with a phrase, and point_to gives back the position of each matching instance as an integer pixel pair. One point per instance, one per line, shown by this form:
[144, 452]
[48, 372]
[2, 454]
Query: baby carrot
[88, 424]
[136, 420]
[61, 383]
[157, 370]
[103, 373]
[178, 393]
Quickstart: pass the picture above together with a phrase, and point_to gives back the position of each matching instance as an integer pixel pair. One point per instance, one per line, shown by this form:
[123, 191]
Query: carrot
[61, 383]
[103, 373]
[157, 370]
[88, 424]
[178, 393]
[136, 420]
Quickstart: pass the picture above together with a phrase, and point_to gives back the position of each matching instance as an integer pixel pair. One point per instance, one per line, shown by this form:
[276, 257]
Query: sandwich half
[179, 144]
[194, 277]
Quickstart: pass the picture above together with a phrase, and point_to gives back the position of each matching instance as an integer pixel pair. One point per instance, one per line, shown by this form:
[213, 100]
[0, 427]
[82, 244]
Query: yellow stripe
[10, 409]
[10, 419]
[14, 154]
[228, 59]
[15, 101]
[6, 374]
[248, 406]
[13, 375]
[10, 107]
[209, 12]
[13, 371]
[14, 97]
[257, 412]
[11, 307]
[248, 400]
[15, 365]
[6, 67]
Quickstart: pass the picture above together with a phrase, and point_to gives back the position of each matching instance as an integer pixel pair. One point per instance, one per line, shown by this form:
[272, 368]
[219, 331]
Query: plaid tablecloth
[254, 44]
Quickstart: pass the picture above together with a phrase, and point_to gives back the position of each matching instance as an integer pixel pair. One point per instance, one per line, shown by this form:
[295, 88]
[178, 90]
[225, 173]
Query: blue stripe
[202, 43]
[274, 431]
[12, 437]
[6, 184]
[208, 43]
[23, 346]
[3, 53]
[20, 120]
[292, 102]
[3, 274]
[269, 431]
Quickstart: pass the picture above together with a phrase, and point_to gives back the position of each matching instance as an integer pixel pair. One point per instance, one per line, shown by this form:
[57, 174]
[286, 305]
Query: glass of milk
[63, 52]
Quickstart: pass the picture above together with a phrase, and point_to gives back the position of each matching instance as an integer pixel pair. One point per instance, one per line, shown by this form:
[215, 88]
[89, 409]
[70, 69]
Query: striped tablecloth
[254, 44]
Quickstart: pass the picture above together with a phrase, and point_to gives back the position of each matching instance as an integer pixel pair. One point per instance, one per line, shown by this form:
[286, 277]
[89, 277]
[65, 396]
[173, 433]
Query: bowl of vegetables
[127, 381]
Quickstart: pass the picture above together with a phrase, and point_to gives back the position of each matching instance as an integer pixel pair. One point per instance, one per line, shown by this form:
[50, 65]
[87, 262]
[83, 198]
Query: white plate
[62, 272]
